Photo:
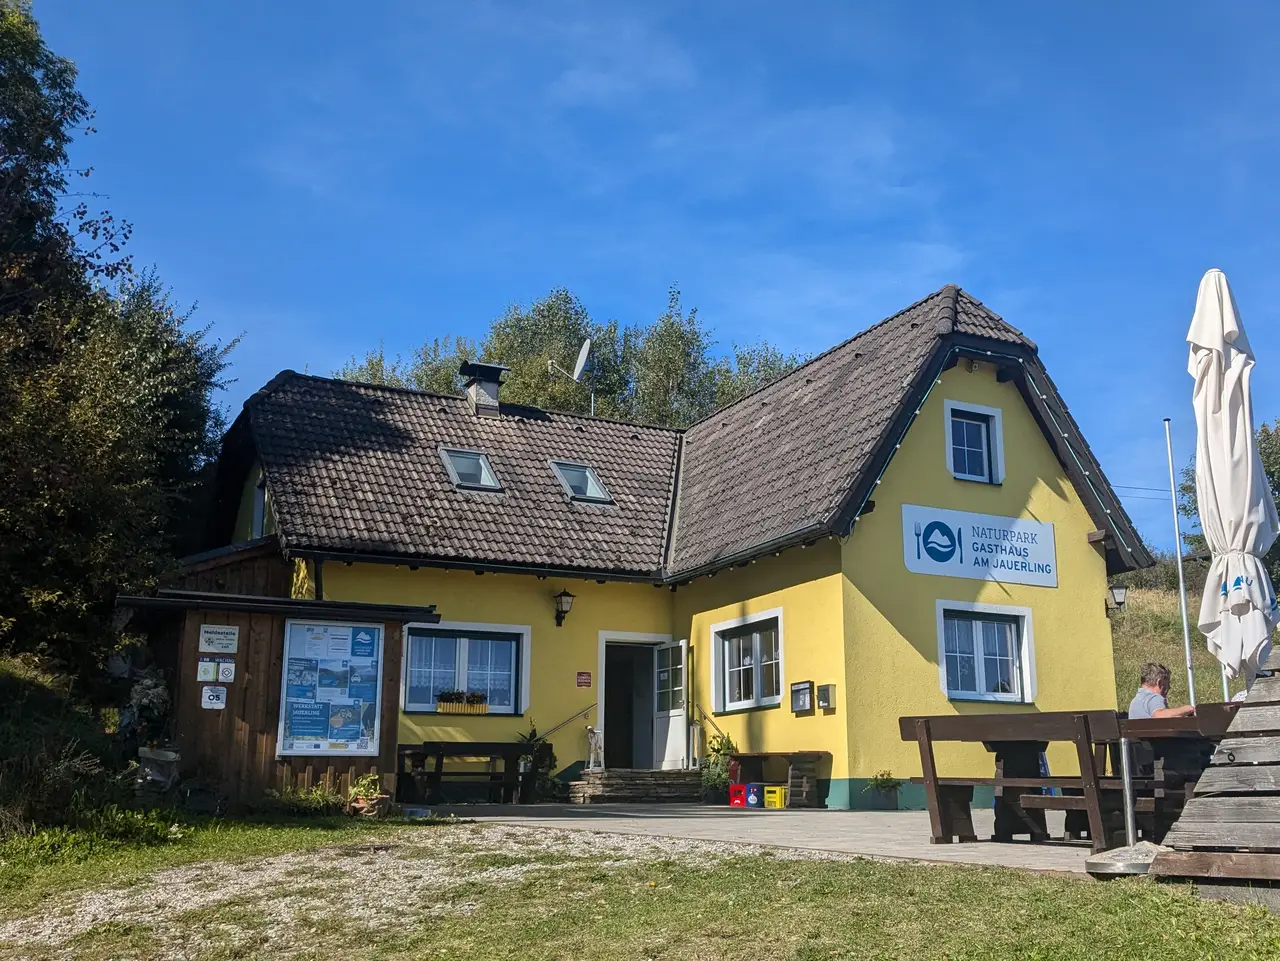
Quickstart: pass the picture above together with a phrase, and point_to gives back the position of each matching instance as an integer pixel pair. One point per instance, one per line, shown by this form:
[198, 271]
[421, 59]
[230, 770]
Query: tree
[106, 395]
[1268, 440]
[663, 374]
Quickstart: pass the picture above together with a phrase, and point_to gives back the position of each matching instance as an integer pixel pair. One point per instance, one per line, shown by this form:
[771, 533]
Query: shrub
[321, 800]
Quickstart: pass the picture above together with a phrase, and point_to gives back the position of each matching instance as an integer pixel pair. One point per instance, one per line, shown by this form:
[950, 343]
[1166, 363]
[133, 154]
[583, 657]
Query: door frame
[641, 638]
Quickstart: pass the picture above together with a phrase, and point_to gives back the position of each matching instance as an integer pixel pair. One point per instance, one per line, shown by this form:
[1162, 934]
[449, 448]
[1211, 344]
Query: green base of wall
[850, 794]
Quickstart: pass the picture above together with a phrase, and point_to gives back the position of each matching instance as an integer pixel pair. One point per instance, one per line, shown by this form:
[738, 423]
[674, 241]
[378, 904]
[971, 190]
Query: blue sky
[323, 176]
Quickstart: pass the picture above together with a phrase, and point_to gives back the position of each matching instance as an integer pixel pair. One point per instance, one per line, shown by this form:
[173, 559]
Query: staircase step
[636, 785]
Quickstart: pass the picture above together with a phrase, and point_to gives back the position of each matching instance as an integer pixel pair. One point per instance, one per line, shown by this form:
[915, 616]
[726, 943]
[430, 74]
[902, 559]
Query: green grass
[579, 896]
[1150, 629]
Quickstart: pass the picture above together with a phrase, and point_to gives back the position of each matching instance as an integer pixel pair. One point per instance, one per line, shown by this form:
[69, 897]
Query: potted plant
[462, 702]
[882, 792]
[366, 797]
[715, 769]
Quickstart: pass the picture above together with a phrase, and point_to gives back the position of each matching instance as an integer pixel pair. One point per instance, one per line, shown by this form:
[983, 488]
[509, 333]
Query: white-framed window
[581, 482]
[469, 469]
[975, 446]
[746, 661]
[488, 659]
[259, 524]
[985, 652]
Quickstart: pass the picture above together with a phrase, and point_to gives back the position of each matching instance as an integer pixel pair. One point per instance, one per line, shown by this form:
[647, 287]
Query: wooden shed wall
[235, 748]
[262, 573]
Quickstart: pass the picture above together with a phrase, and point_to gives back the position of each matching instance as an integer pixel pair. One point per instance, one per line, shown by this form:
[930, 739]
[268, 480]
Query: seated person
[1152, 697]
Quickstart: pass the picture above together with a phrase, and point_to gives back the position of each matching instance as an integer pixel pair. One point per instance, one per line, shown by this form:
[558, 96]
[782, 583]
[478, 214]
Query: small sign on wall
[584, 679]
[220, 669]
[213, 697]
[219, 639]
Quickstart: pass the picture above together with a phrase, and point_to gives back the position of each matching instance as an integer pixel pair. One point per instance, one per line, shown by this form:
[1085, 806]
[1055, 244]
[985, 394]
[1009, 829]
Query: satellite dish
[583, 356]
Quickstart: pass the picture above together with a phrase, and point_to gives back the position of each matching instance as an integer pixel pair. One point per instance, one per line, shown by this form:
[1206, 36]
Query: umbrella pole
[1182, 583]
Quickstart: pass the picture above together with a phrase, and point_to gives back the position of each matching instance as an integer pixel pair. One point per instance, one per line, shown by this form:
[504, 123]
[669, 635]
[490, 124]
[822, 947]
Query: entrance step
[632, 785]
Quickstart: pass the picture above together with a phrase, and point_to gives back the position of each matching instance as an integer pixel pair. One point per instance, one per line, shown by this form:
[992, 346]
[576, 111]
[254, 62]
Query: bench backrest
[1045, 726]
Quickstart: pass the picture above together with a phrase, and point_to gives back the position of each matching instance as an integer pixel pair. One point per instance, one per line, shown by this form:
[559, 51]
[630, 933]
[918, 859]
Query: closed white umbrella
[1237, 510]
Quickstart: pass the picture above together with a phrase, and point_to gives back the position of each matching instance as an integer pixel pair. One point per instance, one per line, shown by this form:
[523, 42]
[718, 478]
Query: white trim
[620, 637]
[526, 657]
[375, 742]
[1026, 652]
[719, 702]
[995, 436]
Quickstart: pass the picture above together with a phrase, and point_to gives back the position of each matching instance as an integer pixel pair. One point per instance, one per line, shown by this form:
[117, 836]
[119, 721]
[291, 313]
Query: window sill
[431, 710]
[987, 698]
[773, 706]
[977, 480]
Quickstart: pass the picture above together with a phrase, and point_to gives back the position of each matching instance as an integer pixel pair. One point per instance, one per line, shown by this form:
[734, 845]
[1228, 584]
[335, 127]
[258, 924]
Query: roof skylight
[581, 482]
[469, 469]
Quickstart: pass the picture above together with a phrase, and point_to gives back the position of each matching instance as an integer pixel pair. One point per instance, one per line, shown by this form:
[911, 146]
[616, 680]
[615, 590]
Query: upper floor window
[581, 482]
[470, 469]
[974, 445]
[259, 523]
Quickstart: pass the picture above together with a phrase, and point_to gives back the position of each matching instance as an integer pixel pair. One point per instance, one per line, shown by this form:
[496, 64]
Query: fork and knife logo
[939, 541]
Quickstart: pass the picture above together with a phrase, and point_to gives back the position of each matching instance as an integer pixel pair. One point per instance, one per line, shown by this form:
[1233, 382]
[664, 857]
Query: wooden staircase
[635, 786]
[1228, 837]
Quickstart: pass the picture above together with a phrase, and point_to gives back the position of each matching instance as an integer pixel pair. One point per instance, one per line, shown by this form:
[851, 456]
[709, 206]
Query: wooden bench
[802, 772]
[1017, 741]
[416, 782]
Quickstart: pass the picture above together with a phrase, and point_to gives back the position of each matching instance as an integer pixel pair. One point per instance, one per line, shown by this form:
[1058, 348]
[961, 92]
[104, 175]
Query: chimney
[483, 381]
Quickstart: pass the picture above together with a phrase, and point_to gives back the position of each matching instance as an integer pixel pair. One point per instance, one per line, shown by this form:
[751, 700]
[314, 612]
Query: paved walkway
[887, 834]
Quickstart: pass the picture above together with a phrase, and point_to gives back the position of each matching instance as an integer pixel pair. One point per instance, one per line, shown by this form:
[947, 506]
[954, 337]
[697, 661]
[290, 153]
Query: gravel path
[270, 899]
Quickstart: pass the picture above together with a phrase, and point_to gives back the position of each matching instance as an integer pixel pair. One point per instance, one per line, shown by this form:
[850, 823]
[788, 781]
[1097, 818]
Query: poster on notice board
[331, 689]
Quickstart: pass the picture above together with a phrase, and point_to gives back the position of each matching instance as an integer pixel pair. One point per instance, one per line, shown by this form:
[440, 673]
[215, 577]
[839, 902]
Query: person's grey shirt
[1145, 703]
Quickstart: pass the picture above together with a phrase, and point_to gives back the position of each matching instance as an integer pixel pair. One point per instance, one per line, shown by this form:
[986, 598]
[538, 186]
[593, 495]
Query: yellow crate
[775, 796]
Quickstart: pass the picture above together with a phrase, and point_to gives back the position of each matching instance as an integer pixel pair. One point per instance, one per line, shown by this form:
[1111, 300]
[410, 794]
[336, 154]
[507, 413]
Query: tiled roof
[354, 468]
[781, 460]
[357, 468]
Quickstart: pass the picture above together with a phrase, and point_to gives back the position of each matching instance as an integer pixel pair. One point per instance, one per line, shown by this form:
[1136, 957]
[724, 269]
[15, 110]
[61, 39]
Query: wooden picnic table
[416, 782]
[1180, 749]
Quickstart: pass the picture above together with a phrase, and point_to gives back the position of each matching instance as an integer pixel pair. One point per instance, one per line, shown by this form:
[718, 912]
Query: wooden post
[1089, 781]
[930, 774]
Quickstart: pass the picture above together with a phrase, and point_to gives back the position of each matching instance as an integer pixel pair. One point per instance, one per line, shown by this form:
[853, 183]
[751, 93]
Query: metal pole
[1226, 687]
[1126, 773]
[1182, 584]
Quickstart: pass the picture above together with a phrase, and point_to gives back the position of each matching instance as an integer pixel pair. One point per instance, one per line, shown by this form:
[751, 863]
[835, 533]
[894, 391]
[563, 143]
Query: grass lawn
[1150, 629]
[499, 892]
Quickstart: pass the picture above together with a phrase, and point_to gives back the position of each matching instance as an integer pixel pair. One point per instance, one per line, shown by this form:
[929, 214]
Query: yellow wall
[890, 614]
[806, 585]
[556, 653]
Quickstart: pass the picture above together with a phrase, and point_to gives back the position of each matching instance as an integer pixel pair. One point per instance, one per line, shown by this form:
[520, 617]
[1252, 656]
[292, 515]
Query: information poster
[332, 687]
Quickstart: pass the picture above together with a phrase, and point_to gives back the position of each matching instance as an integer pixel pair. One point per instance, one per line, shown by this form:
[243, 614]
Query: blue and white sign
[983, 547]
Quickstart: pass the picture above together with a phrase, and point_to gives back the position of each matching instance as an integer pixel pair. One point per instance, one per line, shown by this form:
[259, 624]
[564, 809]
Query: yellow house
[909, 523]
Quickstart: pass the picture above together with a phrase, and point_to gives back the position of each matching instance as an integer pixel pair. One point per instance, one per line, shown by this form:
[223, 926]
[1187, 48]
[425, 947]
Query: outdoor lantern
[564, 604]
[1116, 596]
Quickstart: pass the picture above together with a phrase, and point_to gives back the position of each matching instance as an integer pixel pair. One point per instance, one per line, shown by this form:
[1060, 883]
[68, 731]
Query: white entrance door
[670, 706]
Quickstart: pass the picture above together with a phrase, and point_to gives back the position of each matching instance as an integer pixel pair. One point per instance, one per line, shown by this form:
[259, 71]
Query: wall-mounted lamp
[564, 604]
[1116, 597]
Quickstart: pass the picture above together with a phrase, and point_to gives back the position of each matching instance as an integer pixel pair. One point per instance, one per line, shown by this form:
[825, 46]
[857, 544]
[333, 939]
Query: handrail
[707, 717]
[571, 717]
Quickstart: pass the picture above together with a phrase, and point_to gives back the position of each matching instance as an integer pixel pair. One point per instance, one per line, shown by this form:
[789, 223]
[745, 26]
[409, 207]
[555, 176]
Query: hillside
[1150, 629]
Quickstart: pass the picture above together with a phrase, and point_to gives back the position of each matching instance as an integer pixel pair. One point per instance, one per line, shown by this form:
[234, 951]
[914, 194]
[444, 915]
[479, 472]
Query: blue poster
[344, 721]
[333, 676]
[301, 684]
[307, 720]
[364, 642]
[363, 685]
